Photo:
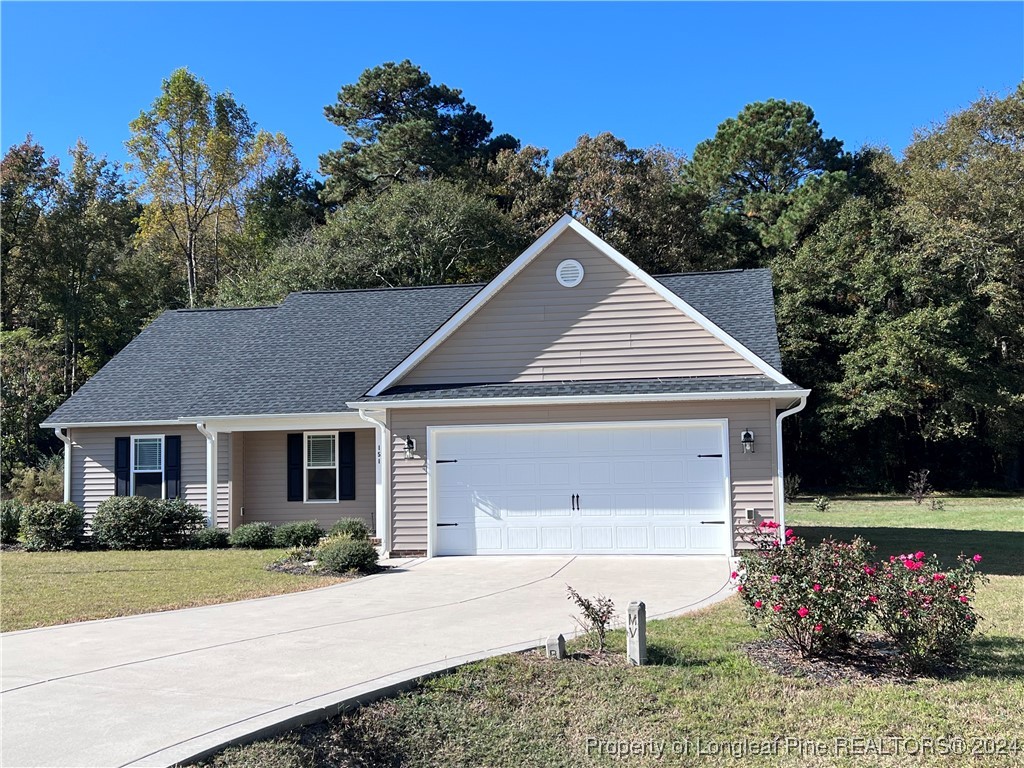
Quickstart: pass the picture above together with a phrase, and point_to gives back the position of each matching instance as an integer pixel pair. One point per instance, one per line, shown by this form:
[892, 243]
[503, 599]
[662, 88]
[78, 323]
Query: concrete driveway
[163, 687]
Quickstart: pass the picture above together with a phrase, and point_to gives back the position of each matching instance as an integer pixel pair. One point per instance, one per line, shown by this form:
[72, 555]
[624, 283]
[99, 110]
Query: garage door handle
[712, 522]
[709, 455]
[446, 525]
[446, 461]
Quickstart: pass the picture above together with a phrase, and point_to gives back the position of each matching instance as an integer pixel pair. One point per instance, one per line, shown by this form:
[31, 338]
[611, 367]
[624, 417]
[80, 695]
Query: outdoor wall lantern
[410, 447]
[747, 441]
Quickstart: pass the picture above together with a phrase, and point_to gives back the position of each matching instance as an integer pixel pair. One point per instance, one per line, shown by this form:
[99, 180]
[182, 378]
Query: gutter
[780, 480]
[64, 438]
[211, 472]
[383, 510]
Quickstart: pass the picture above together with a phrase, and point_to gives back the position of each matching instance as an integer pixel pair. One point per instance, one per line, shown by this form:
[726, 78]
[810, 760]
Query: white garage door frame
[434, 431]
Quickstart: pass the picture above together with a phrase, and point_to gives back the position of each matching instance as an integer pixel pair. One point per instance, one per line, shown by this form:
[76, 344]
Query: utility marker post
[636, 634]
[555, 647]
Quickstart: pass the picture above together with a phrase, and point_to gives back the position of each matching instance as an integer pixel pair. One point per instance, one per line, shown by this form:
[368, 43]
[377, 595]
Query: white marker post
[636, 634]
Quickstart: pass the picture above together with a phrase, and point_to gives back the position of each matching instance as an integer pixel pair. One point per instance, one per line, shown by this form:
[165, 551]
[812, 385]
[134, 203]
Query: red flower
[758, 604]
[818, 627]
[869, 570]
[734, 575]
[872, 599]
[789, 533]
[919, 555]
[802, 612]
[816, 587]
[976, 558]
[776, 608]
[938, 577]
[963, 598]
[739, 588]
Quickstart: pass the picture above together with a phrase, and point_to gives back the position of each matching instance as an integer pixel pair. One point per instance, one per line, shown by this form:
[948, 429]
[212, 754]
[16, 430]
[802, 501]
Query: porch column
[211, 474]
[382, 455]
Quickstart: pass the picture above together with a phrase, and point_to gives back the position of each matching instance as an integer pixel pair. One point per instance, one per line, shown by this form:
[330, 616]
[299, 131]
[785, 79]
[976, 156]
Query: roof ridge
[392, 288]
[711, 272]
[224, 309]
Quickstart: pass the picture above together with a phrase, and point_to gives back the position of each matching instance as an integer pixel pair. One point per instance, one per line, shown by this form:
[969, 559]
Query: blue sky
[545, 72]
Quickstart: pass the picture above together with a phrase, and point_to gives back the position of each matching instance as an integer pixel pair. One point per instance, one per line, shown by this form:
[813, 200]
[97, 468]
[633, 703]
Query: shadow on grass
[1002, 551]
[998, 656]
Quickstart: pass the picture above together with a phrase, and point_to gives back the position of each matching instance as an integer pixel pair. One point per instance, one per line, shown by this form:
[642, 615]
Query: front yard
[43, 588]
[703, 701]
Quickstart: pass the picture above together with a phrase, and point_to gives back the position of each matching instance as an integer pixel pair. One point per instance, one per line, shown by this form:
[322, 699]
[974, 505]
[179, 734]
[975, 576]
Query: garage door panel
[640, 489]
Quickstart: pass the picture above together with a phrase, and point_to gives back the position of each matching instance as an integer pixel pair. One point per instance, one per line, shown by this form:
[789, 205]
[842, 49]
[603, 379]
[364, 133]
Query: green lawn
[42, 588]
[523, 710]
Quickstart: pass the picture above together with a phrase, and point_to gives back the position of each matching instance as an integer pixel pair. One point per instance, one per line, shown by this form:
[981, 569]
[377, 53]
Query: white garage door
[652, 488]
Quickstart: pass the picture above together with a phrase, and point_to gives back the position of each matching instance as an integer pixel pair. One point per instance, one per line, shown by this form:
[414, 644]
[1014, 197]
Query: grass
[44, 588]
[523, 710]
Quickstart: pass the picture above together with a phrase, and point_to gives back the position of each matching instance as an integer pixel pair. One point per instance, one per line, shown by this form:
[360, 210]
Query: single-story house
[573, 404]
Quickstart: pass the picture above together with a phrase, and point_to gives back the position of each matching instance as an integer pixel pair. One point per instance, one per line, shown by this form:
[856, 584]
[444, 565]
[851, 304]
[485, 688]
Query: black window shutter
[122, 468]
[295, 466]
[347, 465]
[172, 466]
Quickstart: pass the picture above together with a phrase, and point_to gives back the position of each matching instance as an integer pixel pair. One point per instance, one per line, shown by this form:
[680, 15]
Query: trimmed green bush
[209, 538]
[52, 525]
[135, 522]
[303, 534]
[11, 511]
[253, 536]
[342, 554]
[179, 522]
[353, 528]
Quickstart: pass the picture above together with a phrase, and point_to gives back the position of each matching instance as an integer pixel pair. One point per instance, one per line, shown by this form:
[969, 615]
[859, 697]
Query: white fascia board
[556, 229]
[275, 422]
[471, 306]
[125, 424]
[585, 399]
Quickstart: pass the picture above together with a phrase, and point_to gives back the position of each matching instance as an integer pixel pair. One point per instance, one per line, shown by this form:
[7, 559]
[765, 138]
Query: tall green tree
[284, 203]
[197, 152]
[401, 127]
[770, 177]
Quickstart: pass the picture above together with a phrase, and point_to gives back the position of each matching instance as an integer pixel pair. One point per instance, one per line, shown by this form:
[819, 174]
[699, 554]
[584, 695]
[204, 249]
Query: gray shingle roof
[681, 385]
[317, 351]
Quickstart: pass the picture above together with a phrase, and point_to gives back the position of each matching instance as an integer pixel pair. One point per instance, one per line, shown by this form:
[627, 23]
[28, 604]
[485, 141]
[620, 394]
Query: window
[321, 466]
[148, 466]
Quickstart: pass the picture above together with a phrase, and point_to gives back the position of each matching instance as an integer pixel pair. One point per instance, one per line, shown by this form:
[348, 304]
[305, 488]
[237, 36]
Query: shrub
[11, 511]
[790, 487]
[52, 525]
[135, 522]
[918, 487]
[44, 482]
[303, 534]
[822, 503]
[178, 521]
[595, 615]
[814, 597]
[926, 611]
[343, 554]
[351, 527]
[253, 536]
[208, 538]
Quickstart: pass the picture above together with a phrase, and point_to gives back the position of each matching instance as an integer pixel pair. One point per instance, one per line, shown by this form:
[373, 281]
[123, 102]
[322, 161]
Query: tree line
[898, 280]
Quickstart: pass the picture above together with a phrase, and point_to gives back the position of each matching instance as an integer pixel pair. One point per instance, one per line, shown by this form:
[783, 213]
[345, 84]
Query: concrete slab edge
[326, 706]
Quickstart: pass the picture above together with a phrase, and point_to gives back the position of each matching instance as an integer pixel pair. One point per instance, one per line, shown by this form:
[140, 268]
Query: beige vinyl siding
[751, 473]
[223, 519]
[265, 483]
[610, 326]
[92, 463]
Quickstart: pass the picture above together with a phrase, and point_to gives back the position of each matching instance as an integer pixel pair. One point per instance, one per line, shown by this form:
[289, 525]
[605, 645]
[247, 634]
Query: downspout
[211, 473]
[64, 438]
[780, 488]
[383, 506]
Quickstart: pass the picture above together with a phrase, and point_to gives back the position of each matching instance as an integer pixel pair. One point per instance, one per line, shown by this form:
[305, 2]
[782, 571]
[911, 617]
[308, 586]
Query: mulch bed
[871, 659]
[293, 567]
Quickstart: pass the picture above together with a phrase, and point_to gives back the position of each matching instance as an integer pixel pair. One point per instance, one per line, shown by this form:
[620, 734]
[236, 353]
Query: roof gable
[663, 336]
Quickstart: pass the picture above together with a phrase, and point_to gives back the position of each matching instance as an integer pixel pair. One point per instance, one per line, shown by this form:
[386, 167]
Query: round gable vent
[569, 273]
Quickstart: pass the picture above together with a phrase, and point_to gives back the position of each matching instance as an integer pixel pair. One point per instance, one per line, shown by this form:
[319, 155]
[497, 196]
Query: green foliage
[403, 127]
[135, 522]
[209, 538]
[596, 614]
[11, 512]
[44, 482]
[253, 536]
[814, 597]
[284, 203]
[823, 503]
[301, 534]
[352, 527]
[341, 554]
[52, 525]
[928, 611]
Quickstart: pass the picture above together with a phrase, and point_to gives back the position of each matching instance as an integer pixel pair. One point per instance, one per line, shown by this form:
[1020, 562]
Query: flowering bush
[928, 611]
[815, 597]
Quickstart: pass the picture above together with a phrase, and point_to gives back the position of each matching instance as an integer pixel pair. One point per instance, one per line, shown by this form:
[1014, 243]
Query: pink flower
[963, 598]
[739, 588]
[734, 575]
[869, 570]
[976, 558]
[775, 579]
[922, 580]
[758, 604]
[802, 612]
[776, 608]
[872, 599]
[919, 555]
[968, 617]
[789, 533]
[938, 577]
[892, 558]
[818, 627]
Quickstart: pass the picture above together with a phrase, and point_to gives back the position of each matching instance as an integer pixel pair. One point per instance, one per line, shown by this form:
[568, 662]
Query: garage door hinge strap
[446, 525]
[446, 461]
[712, 522]
[709, 455]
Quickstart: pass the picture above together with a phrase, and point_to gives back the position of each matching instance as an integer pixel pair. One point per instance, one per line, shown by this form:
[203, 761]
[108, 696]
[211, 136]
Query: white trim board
[566, 222]
[786, 394]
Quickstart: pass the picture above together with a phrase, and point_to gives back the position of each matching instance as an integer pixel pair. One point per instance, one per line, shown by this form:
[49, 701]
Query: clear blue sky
[544, 72]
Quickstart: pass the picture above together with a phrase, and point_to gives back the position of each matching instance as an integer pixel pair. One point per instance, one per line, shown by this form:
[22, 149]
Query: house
[574, 404]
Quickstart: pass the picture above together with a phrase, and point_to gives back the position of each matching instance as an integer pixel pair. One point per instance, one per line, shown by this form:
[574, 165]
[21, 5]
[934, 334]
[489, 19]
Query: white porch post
[211, 474]
[66, 439]
[383, 461]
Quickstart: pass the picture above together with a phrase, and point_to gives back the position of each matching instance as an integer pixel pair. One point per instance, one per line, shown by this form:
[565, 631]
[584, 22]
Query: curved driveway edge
[165, 688]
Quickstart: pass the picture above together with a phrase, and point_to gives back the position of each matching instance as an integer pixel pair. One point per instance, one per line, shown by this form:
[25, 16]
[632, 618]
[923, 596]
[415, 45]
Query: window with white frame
[321, 466]
[148, 466]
